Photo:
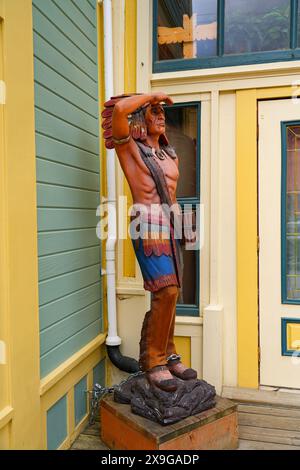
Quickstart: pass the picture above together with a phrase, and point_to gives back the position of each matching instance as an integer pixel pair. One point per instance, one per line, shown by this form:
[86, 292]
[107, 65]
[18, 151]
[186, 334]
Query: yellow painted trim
[183, 347]
[247, 230]
[275, 92]
[6, 415]
[79, 428]
[44, 428]
[76, 361]
[103, 181]
[70, 412]
[65, 445]
[246, 203]
[229, 74]
[19, 167]
[5, 437]
[4, 305]
[129, 87]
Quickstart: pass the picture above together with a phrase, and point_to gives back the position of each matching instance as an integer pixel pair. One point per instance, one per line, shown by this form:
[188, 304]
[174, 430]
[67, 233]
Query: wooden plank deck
[89, 439]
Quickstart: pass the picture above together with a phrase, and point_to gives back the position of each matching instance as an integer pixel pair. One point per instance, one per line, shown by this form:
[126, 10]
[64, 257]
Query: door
[279, 242]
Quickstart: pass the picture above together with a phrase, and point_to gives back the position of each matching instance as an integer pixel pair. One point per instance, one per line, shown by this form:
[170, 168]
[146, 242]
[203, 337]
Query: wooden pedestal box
[216, 429]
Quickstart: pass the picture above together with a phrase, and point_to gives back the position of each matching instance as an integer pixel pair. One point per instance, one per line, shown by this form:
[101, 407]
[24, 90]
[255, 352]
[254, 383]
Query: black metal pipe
[124, 363]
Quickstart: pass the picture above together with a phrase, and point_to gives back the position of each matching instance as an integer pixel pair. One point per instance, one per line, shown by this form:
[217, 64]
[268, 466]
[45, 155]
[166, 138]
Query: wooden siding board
[57, 310]
[51, 103]
[59, 196]
[60, 174]
[63, 153]
[62, 352]
[57, 264]
[61, 64]
[63, 240]
[63, 330]
[71, 12]
[92, 3]
[60, 286]
[66, 25]
[52, 126]
[87, 10]
[64, 88]
[58, 39]
[55, 219]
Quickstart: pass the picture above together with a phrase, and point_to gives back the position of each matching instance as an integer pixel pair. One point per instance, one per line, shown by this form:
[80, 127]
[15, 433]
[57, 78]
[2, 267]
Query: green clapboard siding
[68, 177]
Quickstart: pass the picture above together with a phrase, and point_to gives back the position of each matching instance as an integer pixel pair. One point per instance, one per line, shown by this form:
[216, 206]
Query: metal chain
[98, 393]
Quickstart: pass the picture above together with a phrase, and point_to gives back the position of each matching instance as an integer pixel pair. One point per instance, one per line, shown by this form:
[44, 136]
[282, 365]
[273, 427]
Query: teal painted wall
[80, 400]
[99, 373]
[57, 424]
[68, 176]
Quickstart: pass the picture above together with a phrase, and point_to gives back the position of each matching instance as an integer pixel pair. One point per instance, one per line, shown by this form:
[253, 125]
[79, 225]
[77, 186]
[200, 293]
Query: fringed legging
[157, 336]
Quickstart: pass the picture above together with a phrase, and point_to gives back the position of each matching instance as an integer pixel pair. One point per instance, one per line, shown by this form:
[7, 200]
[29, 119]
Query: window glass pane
[186, 29]
[182, 122]
[189, 288]
[293, 213]
[298, 24]
[181, 129]
[256, 25]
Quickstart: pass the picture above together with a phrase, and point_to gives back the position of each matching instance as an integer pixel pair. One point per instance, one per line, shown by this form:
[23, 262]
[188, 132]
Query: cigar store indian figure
[135, 126]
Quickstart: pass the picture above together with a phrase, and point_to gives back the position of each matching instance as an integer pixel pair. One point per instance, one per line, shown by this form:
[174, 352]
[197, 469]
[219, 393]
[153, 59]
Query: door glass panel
[293, 212]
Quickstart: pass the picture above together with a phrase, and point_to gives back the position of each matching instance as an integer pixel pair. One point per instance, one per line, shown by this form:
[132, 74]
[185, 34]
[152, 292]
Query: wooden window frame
[222, 60]
[193, 309]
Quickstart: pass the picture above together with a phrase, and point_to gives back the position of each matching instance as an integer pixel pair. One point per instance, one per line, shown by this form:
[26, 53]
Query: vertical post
[220, 27]
[294, 24]
[21, 263]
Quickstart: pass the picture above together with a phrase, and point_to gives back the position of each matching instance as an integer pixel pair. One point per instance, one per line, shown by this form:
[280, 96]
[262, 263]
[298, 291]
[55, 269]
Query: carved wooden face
[155, 119]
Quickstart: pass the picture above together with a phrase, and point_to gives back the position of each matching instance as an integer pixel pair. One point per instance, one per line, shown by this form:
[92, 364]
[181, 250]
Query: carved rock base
[190, 398]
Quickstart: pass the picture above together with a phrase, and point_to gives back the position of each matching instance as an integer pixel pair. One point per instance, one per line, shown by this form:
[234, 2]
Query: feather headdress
[137, 124]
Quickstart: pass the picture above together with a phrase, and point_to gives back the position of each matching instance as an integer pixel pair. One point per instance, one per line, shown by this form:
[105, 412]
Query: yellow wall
[19, 277]
[24, 399]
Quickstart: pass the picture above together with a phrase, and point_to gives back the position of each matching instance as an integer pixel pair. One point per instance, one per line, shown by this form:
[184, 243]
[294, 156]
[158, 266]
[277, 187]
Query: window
[191, 34]
[183, 131]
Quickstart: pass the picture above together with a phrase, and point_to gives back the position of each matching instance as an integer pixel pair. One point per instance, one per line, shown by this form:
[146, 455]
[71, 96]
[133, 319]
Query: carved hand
[159, 97]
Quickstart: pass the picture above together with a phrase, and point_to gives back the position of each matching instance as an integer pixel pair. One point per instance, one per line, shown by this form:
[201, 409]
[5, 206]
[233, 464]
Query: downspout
[113, 341]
